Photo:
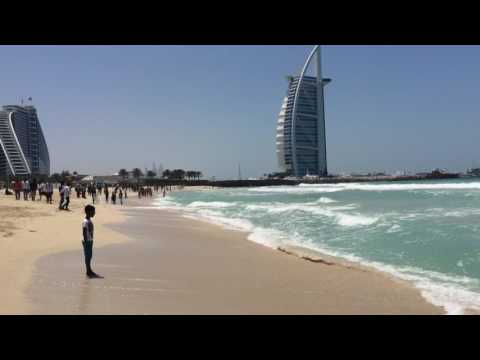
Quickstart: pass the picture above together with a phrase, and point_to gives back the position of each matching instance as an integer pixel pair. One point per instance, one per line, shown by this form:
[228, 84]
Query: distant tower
[160, 170]
[239, 172]
[154, 168]
[301, 140]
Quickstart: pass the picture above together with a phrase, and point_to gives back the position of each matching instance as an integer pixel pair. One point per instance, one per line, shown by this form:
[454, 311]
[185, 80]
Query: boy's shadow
[95, 276]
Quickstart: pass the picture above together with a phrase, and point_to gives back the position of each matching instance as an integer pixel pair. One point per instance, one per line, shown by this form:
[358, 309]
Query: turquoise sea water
[424, 232]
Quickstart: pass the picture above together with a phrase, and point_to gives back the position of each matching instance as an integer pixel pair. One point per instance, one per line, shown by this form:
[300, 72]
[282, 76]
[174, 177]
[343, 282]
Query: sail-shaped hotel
[301, 140]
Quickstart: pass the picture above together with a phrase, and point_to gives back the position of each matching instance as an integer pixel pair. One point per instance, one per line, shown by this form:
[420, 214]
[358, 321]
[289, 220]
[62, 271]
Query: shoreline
[422, 284]
[314, 256]
[175, 265]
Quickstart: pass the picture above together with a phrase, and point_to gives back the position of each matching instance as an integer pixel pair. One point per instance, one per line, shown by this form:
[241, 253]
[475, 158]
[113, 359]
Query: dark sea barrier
[283, 182]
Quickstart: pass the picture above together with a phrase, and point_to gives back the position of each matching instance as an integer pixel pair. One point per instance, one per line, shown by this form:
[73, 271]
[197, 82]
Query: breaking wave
[332, 188]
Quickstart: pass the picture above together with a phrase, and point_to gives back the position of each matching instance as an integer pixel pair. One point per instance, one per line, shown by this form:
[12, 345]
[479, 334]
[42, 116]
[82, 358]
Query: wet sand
[174, 265]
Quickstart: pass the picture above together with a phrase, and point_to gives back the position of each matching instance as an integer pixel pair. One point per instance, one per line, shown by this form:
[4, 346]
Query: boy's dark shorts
[87, 249]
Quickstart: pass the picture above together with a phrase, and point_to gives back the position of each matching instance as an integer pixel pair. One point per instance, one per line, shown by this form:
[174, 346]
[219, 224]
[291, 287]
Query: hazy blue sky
[211, 107]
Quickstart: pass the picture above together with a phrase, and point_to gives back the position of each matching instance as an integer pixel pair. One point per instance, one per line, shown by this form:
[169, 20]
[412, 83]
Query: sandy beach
[157, 262]
[30, 230]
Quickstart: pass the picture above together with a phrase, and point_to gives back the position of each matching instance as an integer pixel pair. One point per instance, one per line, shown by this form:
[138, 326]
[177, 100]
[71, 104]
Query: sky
[210, 108]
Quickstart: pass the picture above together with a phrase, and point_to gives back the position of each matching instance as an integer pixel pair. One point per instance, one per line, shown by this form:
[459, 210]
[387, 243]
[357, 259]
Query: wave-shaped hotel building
[301, 139]
[23, 149]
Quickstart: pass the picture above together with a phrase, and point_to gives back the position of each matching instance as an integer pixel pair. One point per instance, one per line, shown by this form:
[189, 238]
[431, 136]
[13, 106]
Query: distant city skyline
[209, 108]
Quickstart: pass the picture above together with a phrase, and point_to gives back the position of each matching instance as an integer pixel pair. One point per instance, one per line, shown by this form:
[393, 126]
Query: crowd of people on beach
[113, 194]
[29, 189]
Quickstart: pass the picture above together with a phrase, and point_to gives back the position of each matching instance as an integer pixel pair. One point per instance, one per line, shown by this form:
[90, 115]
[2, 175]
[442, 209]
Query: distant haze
[210, 108]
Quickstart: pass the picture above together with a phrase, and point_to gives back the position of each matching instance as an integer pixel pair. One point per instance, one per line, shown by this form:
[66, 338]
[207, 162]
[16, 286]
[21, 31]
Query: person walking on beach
[41, 191]
[61, 191]
[106, 193]
[26, 193]
[33, 189]
[17, 188]
[87, 230]
[25, 189]
[120, 196]
[114, 197]
[94, 193]
[67, 197]
[49, 192]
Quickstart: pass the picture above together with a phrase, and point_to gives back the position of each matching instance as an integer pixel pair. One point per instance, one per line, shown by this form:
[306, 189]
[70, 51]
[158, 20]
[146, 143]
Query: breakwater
[284, 182]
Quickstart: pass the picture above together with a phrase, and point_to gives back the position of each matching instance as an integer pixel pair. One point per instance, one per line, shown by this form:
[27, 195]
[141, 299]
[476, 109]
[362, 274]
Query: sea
[427, 232]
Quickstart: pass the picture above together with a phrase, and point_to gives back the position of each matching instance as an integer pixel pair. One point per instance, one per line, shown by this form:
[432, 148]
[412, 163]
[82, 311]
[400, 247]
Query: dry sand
[174, 265]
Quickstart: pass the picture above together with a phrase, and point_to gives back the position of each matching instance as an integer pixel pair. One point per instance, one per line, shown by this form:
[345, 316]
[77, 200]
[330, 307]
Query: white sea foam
[402, 187]
[325, 200]
[341, 218]
[211, 204]
[331, 188]
[343, 207]
[267, 237]
[462, 213]
[453, 293]
[165, 204]
[355, 220]
[394, 229]
[294, 189]
[218, 219]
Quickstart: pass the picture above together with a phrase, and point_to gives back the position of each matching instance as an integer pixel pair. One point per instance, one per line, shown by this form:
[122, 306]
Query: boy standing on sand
[87, 229]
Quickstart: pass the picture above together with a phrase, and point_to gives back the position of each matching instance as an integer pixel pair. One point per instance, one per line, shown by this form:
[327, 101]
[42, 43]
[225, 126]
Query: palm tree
[137, 173]
[178, 174]
[167, 173]
[190, 174]
[151, 174]
[65, 174]
[123, 173]
[198, 174]
[56, 177]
